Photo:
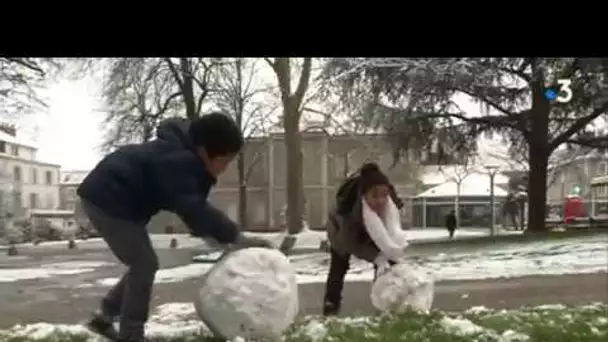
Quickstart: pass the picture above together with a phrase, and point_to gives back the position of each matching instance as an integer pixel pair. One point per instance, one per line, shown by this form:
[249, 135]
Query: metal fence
[472, 213]
[475, 213]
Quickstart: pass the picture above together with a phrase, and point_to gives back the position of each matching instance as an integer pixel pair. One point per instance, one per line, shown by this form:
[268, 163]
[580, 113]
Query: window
[17, 174]
[71, 192]
[33, 200]
[49, 177]
[15, 150]
[2, 147]
[50, 201]
[34, 175]
[603, 168]
[17, 202]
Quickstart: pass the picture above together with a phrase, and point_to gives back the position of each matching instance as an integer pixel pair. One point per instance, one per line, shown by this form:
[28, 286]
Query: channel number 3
[565, 92]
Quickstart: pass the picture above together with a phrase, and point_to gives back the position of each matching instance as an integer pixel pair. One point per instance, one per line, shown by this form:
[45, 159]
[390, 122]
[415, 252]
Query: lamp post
[492, 169]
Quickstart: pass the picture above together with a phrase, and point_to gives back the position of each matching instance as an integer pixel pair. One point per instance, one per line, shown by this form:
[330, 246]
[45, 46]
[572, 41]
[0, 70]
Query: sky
[69, 133]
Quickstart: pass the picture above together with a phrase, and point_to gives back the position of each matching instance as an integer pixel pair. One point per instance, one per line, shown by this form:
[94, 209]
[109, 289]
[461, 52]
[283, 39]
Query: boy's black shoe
[102, 326]
[142, 339]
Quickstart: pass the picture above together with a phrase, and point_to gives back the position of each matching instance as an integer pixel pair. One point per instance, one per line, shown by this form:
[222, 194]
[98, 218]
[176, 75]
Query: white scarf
[385, 232]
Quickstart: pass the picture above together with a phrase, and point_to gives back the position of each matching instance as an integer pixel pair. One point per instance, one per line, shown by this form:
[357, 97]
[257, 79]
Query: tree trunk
[537, 193]
[188, 88]
[291, 122]
[457, 204]
[295, 184]
[239, 107]
[242, 189]
[538, 147]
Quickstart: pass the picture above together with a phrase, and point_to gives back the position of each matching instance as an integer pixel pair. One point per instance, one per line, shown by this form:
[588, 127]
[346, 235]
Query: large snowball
[249, 293]
[403, 286]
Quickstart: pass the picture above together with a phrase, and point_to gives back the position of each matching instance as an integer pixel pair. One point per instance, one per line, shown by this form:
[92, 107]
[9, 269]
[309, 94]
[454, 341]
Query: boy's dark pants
[338, 267]
[130, 297]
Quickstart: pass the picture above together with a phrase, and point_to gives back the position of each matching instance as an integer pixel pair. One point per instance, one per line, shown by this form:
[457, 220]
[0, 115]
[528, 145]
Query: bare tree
[21, 80]
[142, 91]
[292, 101]
[138, 93]
[193, 77]
[238, 91]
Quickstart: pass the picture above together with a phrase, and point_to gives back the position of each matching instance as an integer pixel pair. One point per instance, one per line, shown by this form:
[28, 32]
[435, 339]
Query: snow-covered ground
[50, 270]
[564, 256]
[158, 240]
[311, 239]
[567, 256]
[170, 319]
[168, 275]
[179, 319]
[308, 239]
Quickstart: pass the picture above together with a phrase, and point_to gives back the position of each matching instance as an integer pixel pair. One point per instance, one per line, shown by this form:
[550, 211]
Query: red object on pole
[573, 208]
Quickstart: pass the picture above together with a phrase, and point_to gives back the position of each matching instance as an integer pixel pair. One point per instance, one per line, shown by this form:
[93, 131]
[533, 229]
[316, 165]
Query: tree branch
[597, 142]
[27, 64]
[304, 80]
[578, 125]
[167, 103]
[175, 73]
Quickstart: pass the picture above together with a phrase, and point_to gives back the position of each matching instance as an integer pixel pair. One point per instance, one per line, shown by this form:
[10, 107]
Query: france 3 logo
[560, 93]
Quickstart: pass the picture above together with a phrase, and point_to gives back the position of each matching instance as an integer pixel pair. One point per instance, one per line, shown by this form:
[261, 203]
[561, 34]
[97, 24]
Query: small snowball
[250, 293]
[403, 286]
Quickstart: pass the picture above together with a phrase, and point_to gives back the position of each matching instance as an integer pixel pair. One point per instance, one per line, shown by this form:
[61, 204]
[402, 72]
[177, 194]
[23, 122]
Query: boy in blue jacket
[175, 172]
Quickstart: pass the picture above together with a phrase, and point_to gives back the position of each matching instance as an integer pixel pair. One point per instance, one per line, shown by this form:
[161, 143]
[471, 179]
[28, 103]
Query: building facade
[327, 160]
[26, 182]
[29, 188]
[68, 184]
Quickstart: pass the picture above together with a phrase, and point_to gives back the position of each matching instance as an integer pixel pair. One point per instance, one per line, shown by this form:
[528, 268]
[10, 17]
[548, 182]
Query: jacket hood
[175, 131]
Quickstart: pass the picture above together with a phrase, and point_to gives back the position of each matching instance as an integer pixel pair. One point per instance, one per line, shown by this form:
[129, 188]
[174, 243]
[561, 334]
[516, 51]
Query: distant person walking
[451, 223]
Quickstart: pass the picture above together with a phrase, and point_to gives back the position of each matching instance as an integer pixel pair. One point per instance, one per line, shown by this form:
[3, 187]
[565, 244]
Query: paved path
[30, 303]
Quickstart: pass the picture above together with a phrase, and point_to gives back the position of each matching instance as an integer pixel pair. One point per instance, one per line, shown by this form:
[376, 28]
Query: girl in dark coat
[365, 224]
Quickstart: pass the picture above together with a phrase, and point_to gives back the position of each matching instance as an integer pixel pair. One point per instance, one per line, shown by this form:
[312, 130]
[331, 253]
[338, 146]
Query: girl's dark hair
[371, 176]
[218, 133]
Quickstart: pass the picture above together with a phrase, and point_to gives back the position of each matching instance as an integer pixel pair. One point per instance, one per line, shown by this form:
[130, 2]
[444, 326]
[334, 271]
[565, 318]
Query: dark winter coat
[450, 221]
[136, 181]
[347, 235]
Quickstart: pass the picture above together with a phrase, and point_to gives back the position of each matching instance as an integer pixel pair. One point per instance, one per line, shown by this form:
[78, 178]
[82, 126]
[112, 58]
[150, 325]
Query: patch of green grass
[588, 323]
[541, 324]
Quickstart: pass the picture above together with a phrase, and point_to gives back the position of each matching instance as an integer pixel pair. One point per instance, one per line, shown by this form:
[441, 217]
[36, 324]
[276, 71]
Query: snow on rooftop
[16, 140]
[474, 185]
[434, 174]
[8, 275]
[73, 177]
